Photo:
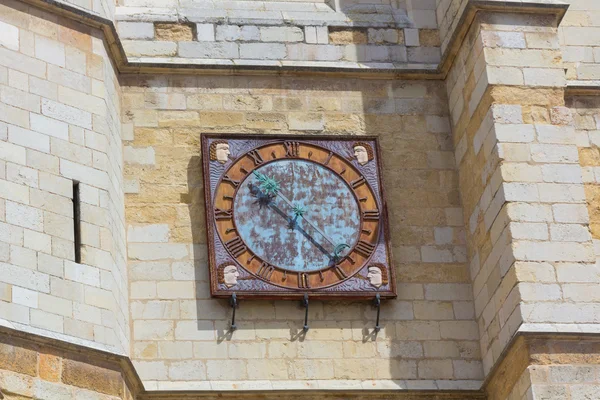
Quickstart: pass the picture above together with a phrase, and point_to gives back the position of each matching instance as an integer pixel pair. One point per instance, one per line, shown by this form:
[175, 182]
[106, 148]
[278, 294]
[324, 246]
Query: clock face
[291, 216]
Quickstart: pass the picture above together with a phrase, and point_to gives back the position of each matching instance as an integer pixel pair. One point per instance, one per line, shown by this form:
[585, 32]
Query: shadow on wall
[429, 331]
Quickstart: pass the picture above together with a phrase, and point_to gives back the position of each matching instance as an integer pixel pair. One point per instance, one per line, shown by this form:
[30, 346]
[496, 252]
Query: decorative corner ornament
[291, 215]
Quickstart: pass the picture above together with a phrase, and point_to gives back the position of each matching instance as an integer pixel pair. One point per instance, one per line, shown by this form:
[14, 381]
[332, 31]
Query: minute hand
[306, 220]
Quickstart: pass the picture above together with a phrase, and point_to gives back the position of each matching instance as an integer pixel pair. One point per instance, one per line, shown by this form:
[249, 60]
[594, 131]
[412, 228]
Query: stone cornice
[357, 70]
[516, 357]
[124, 365]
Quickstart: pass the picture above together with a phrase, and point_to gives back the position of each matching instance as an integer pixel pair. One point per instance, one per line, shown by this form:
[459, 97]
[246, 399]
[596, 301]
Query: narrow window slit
[77, 221]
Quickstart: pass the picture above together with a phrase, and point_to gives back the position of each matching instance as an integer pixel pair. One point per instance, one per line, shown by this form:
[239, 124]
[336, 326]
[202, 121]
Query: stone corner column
[521, 182]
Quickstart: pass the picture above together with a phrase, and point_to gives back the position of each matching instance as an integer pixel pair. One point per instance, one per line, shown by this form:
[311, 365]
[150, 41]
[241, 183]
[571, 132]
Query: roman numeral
[371, 215]
[235, 246]
[292, 149]
[365, 248]
[256, 157]
[303, 280]
[235, 183]
[358, 182]
[340, 271]
[223, 214]
[265, 271]
[328, 158]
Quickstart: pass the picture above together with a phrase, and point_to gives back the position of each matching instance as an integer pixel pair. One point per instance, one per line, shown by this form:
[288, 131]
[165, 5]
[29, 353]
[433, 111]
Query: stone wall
[37, 370]
[547, 366]
[521, 182]
[580, 38]
[59, 123]
[181, 338]
[245, 33]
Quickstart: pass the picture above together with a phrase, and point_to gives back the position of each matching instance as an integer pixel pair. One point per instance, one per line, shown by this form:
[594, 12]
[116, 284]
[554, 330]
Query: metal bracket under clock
[377, 304]
[234, 304]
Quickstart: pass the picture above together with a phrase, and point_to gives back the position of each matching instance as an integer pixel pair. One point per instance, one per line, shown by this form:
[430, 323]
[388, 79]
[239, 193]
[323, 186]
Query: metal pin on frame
[377, 303]
[234, 304]
[305, 304]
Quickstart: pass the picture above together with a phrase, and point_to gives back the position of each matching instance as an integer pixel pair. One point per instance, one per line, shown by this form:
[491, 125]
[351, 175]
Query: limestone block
[552, 251]
[89, 103]
[429, 37]
[99, 298]
[173, 32]
[418, 330]
[205, 32]
[23, 63]
[195, 330]
[263, 51]
[175, 290]
[141, 48]
[559, 192]
[15, 191]
[311, 52]
[140, 155]
[82, 273]
[524, 230]
[551, 153]
[310, 34]
[55, 305]
[562, 173]
[29, 139]
[25, 297]
[148, 252]
[411, 37]
[515, 40]
[19, 98]
[45, 320]
[50, 51]
[233, 33]
[73, 80]
[187, 370]
[544, 77]
[435, 369]
[9, 36]
[24, 216]
[313, 369]
[462, 330]
[13, 153]
[306, 121]
[143, 290]
[580, 273]
[347, 36]
[49, 126]
[208, 50]
[65, 113]
[247, 350]
[84, 312]
[267, 369]
[448, 291]
[226, 370]
[37, 241]
[281, 34]
[135, 30]
[153, 330]
[94, 378]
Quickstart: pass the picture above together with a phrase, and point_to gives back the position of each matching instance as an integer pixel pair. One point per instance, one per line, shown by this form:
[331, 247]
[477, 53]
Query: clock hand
[302, 231]
[272, 188]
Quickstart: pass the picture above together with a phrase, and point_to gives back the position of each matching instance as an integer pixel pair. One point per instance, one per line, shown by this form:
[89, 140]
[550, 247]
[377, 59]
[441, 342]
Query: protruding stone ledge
[381, 68]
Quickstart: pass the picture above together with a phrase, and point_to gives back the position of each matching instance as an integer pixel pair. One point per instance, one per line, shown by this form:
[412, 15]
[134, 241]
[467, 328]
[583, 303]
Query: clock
[290, 215]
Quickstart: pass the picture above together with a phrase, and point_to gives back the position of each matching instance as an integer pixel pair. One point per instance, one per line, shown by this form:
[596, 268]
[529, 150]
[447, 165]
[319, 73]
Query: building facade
[488, 117]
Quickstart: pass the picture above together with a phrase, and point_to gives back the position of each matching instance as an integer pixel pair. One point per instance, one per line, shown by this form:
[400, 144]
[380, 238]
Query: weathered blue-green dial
[297, 215]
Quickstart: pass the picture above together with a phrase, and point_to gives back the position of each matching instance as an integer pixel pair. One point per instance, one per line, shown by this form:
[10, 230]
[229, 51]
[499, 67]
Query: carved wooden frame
[269, 290]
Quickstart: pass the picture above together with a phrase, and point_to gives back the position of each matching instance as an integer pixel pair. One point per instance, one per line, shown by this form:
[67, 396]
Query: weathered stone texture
[521, 183]
[171, 304]
[60, 123]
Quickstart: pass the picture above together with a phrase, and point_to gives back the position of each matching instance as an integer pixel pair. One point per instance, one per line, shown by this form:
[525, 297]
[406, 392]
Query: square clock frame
[293, 215]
